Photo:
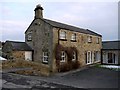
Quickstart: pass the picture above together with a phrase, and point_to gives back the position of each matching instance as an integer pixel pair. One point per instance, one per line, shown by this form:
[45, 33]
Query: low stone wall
[36, 68]
[18, 55]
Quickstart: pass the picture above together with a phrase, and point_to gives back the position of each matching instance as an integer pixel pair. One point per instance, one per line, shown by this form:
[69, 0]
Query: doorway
[111, 58]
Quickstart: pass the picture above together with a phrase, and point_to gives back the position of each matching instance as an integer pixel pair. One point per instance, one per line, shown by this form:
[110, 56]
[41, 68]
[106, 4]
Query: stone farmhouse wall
[81, 44]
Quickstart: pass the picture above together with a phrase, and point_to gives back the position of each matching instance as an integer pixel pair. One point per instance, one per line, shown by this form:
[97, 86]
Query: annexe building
[17, 50]
[111, 52]
[61, 47]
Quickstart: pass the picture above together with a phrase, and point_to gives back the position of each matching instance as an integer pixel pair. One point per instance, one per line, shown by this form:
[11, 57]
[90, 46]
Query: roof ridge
[70, 27]
[15, 41]
[65, 24]
[111, 41]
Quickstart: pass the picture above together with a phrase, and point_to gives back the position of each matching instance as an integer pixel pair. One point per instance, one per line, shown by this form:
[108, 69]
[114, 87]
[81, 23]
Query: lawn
[111, 67]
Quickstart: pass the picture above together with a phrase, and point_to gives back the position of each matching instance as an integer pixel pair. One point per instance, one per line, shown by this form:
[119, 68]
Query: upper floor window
[89, 39]
[63, 56]
[98, 41]
[74, 56]
[45, 57]
[62, 35]
[29, 37]
[73, 37]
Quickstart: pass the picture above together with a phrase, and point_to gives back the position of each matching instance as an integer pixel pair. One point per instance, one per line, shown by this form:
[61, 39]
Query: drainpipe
[58, 35]
[101, 57]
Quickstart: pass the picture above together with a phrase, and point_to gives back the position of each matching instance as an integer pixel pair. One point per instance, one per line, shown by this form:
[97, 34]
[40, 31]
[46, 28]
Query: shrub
[70, 64]
[75, 65]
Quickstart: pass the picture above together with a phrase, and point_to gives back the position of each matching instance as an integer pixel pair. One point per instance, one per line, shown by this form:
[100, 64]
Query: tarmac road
[91, 77]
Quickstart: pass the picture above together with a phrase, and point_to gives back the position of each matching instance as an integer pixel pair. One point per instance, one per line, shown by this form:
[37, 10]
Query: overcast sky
[100, 16]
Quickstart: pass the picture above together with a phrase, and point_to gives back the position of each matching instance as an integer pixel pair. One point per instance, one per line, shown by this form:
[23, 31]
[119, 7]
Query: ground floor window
[74, 56]
[111, 58]
[89, 57]
[63, 56]
[96, 56]
[45, 57]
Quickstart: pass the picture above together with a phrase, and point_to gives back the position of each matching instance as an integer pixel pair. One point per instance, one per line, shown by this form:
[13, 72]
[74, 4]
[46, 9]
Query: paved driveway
[91, 77]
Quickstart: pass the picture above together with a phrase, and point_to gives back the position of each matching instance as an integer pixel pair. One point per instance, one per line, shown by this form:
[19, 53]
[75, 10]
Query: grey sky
[101, 17]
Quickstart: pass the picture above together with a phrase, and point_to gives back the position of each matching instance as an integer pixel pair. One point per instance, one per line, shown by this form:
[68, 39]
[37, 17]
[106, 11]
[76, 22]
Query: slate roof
[111, 45]
[71, 28]
[20, 46]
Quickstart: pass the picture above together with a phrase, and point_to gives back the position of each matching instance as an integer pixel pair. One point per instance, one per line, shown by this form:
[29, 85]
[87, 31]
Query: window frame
[89, 39]
[89, 57]
[97, 56]
[98, 40]
[73, 37]
[63, 56]
[29, 36]
[62, 35]
[45, 57]
[75, 56]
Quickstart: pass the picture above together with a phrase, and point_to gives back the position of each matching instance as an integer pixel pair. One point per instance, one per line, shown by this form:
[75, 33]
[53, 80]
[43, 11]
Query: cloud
[13, 30]
[99, 17]
[60, 1]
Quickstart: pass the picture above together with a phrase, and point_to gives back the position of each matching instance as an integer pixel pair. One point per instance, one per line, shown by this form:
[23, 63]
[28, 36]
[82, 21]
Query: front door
[111, 58]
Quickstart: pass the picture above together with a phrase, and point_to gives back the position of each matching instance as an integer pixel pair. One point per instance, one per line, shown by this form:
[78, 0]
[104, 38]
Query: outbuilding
[17, 50]
[111, 52]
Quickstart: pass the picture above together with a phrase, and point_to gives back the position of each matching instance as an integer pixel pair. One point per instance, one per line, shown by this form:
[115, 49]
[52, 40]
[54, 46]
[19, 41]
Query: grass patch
[100, 66]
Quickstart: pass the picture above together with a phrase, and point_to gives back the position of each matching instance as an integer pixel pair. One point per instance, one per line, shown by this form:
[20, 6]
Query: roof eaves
[29, 26]
[89, 31]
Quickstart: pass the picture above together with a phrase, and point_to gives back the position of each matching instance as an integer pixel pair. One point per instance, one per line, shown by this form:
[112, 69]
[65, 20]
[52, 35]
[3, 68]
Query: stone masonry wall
[18, 55]
[81, 44]
[41, 42]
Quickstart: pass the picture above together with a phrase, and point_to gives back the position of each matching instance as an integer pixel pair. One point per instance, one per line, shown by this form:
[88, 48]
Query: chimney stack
[38, 12]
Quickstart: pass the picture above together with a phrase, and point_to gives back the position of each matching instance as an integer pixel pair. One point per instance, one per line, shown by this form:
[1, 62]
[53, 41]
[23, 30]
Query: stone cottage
[61, 47]
[111, 52]
[17, 50]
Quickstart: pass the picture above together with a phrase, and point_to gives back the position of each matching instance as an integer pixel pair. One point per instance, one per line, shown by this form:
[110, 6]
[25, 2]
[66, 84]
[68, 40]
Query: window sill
[89, 42]
[73, 40]
[29, 40]
[63, 39]
[62, 61]
[45, 62]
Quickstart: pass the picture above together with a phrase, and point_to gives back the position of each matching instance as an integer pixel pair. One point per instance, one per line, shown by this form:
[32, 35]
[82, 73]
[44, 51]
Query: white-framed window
[29, 37]
[89, 39]
[111, 57]
[97, 56]
[97, 40]
[89, 57]
[63, 56]
[45, 57]
[74, 56]
[62, 35]
[92, 57]
[73, 37]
